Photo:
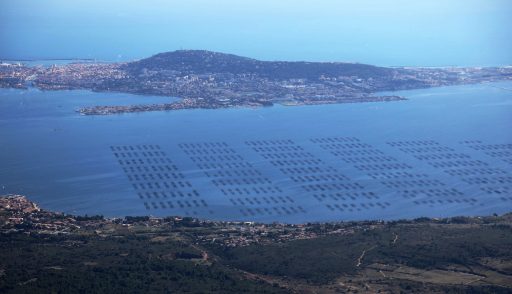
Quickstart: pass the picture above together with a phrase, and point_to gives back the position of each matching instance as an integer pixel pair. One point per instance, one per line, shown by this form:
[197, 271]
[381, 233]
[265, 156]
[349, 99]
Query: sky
[380, 32]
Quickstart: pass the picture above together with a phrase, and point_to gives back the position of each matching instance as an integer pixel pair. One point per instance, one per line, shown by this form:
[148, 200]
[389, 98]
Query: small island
[212, 80]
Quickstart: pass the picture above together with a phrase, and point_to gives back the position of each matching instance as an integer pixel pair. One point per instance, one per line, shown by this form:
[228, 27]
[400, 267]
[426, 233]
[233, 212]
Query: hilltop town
[211, 80]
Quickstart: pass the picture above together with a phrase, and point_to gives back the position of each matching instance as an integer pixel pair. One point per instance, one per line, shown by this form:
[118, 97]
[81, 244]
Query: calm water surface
[385, 160]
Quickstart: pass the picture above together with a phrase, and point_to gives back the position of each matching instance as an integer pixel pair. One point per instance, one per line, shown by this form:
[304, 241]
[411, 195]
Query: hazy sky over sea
[383, 32]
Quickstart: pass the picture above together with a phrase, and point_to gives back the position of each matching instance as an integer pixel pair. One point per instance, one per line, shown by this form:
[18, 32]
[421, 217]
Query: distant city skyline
[429, 33]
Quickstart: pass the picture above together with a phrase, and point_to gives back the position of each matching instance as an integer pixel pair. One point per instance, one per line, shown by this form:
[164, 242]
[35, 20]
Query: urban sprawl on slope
[212, 80]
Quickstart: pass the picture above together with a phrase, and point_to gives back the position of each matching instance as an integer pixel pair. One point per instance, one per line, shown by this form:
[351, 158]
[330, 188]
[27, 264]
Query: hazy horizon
[389, 33]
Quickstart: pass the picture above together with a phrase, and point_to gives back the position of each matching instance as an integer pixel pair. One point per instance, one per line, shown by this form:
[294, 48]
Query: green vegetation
[207, 62]
[46, 252]
[117, 264]
[422, 246]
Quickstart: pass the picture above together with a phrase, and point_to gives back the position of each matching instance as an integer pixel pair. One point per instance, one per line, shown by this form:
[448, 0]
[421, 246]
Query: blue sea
[385, 32]
[443, 152]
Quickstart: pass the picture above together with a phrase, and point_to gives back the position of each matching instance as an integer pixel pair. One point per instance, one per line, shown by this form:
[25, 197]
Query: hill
[208, 62]
[212, 80]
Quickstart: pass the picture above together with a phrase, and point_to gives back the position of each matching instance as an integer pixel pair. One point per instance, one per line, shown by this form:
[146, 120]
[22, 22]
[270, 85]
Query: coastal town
[211, 80]
[20, 215]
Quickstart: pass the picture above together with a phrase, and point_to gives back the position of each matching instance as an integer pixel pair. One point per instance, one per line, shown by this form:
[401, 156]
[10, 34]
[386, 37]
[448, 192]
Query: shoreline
[24, 204]
[45, 250]
[212, 80]
[194, 104]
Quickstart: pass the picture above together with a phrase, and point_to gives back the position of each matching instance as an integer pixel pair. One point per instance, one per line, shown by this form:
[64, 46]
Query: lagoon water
[444, 151]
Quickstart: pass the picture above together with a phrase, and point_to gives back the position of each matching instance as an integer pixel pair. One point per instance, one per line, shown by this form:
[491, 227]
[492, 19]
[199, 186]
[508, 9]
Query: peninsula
[205, 79]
